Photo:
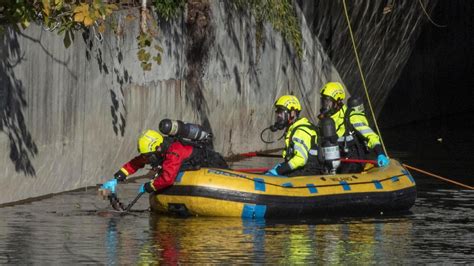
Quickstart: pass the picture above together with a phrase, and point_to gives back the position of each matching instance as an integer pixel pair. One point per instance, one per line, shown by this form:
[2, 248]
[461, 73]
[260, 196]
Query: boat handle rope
[329, 185]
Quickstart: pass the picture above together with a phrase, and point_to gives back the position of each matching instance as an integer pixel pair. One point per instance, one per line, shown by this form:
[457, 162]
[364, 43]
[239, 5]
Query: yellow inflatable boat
[218, 192]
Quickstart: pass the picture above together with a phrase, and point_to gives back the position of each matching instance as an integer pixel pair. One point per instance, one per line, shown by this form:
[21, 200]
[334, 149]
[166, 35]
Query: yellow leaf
[25, 24]
[82, 8]
[78, 17]
[101, 28]
[58, 4]
[46, 7]
[82, 14]
[88, 21]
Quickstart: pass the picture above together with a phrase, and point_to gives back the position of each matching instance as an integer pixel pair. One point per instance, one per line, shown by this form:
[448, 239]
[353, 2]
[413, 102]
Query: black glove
[120, 176]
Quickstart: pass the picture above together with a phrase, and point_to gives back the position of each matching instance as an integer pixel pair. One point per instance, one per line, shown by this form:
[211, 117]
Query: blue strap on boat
[254, 211]
[259, 184]
[395, 179]
[345, 185]
[179, 177]
[405, 172]
[287, 185]
[312, 188]
[377, 184]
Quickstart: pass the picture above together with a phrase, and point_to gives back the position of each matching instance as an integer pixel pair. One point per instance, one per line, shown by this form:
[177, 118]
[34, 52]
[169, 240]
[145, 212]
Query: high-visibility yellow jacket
[359, 123]
[300, 145]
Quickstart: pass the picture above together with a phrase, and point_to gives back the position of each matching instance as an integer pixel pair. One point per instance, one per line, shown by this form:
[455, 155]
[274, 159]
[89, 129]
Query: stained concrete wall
[384, 31]
[70, 116]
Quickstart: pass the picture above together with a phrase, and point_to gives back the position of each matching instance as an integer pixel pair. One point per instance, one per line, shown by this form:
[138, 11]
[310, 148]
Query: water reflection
[111, 244]
[75, 228]
[229, 240]
[17, 244]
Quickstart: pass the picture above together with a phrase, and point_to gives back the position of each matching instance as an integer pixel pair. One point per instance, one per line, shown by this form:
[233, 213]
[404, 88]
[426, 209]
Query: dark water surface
[78, 227]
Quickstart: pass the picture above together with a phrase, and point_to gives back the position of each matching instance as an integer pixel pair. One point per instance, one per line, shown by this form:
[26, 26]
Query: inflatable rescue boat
[219, 192]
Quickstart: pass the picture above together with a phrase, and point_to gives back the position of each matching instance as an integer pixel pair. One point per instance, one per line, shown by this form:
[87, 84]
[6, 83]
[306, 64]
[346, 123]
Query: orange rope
[439, 177]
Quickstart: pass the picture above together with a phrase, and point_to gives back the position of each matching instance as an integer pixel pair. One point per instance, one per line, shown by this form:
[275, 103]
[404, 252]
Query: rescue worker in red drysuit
[167, 156]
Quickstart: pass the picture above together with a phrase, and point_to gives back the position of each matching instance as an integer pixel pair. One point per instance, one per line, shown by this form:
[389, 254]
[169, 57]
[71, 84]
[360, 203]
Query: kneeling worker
[300, 152]
[167, 156]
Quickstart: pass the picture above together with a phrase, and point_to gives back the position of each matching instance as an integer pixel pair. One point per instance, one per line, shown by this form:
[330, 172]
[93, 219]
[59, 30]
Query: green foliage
[280, 14]
[169, 9]
[145, 41]
[64, 17]
[17, 13]
[68, 16]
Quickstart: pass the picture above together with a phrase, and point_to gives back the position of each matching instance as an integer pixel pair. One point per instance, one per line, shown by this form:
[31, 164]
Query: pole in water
[130, 205]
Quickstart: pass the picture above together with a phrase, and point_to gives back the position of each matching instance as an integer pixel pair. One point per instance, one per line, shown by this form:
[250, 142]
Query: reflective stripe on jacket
[303, 143]
[359, 123]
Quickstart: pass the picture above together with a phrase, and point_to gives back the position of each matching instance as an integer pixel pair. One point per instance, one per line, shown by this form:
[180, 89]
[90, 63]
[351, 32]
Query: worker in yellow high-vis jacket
[352, 127]
[301, 140]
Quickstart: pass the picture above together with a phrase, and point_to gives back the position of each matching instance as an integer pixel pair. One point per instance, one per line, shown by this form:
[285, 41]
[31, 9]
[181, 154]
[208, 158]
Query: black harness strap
[350, 130]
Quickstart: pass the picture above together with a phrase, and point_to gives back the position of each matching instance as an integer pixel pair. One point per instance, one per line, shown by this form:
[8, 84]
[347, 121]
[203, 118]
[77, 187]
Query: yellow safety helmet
[289, 102]
[335, 90]
[149, 141]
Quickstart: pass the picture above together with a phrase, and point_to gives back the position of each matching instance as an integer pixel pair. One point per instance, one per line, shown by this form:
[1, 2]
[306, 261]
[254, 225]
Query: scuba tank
[329, 145]
[180, 129]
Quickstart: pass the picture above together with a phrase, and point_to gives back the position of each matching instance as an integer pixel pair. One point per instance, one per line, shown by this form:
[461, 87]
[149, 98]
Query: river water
[79, 227]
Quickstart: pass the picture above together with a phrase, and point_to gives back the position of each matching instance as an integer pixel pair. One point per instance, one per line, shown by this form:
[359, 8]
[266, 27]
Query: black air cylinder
[184, 130]
[329, 145]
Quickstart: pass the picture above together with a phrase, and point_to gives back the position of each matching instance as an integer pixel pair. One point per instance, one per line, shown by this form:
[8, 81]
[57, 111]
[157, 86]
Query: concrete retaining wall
[70, 116]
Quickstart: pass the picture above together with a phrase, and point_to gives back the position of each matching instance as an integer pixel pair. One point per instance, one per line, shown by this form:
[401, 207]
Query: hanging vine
[280, 14]
[67, 17]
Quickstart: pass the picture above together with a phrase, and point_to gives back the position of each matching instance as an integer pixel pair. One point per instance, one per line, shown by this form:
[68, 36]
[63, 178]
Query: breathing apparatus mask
[155, 159]
[282, 116]
[328, 107]
[282, 121]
